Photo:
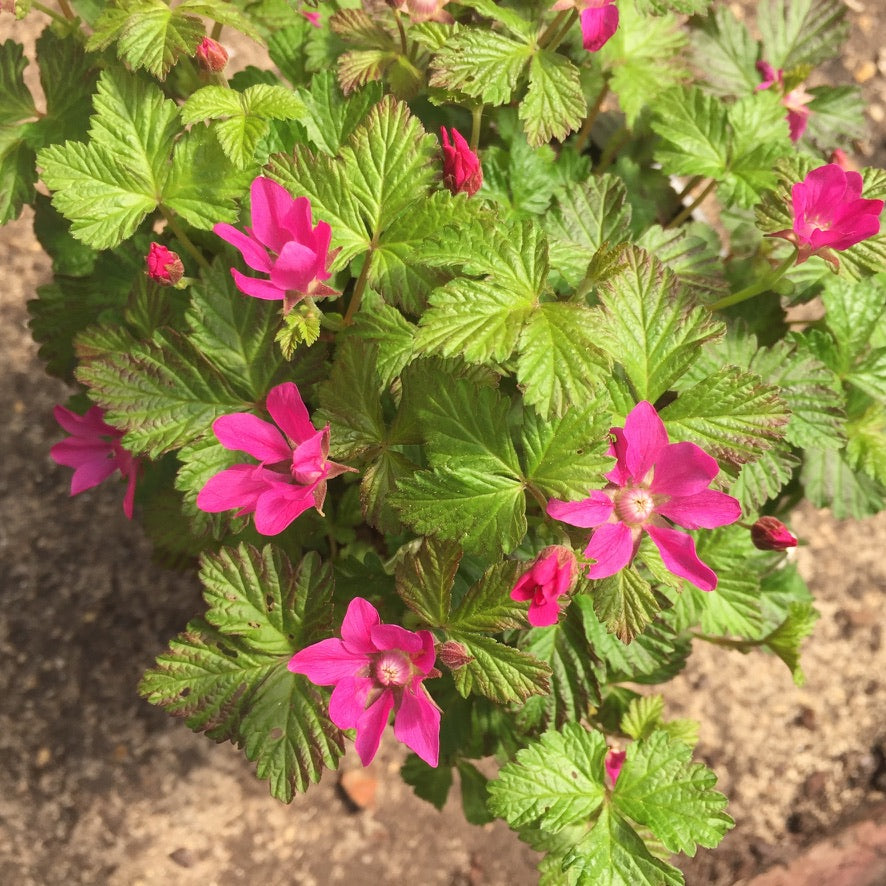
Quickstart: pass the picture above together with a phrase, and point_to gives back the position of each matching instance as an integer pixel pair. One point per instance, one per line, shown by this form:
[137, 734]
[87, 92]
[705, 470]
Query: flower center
[393, 668]
[634, 505]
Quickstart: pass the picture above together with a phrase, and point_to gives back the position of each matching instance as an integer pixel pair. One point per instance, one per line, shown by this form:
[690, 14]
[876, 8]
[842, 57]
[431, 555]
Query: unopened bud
[164, 267]
[840, 157]
[453, 655]
[461, 166]
[613, 762]
[770, 534]
[211, 55]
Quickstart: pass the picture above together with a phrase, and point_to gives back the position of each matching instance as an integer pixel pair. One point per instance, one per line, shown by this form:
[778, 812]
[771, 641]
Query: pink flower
[551, 575]
[795, 100]
[770, 534]
[94, 451]
[282, 244]
[653, 482]
[211, 55]
[830, 213]
[312, 17]
[599, 20]
[293, 466]
[164, 267]
[377, 668]
[461, 166]
[612, 763]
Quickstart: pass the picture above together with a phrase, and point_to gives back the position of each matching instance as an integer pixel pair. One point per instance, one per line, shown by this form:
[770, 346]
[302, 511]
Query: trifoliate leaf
[586, 217]
[853, 313]
[732, 415]
[801, 32]
[379, 483]
[624, 602]
[725, 53]
[660, 788]
[234, 332]
[70, 257]
[497, 671]
[649, 326]
[553, 782]
[424, 578]
[483, 64]
[831, 482]
[510, 18]
[287, 48]
[163, 393]
[554, 104]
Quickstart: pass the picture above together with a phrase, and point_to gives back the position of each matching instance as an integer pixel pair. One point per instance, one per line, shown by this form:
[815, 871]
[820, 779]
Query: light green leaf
[726, 54]
[625, 603]
[487, 607]
[866, 450]
[391, 333]
[694, 126]
[554, 104]
[801, 32]
[424, 578]
[831, 482]
[786, 639]
[762, 479]
[853, 313]
[643, 716]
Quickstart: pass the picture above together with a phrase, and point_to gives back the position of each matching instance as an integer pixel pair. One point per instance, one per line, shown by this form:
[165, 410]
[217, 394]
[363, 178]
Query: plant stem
[557, 39]
[585, 131]
[727, 642]
[65, 7]
[553, 27]
[216, 31]
[536, 494]
[616, 143]
[183, 238]
[688, 210]
[357, 294]
[691, 185]
[755, 288]
[404, 46]
[476, 118]
[47, 11]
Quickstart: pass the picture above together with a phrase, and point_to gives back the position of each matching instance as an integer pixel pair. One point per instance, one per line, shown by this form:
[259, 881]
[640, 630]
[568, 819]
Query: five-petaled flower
[94, 451]
[461, 166]
[599, 20]
[830, 214]
[164, 267]
[283, 244]
[293, 464]
[770, 534]
[612, 763]
[795, 100]
[653, 482]
[551, 575]
[377, 668]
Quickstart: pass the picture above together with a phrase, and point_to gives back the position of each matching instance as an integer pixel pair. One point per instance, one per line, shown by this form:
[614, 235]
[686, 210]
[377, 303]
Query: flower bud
[840, 157]
[461, 166]
[164, 267]
[211, 55]
[551, 575]
[770, 534]
[453, 655]
[613, 763]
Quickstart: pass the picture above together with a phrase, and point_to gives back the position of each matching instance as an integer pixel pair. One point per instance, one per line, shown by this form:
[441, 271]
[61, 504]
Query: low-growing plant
[476, 433]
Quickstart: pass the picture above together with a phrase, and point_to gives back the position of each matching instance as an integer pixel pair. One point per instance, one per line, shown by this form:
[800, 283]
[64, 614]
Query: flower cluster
[94, 451]
[293, 464]
[654, 482]
[377, 668]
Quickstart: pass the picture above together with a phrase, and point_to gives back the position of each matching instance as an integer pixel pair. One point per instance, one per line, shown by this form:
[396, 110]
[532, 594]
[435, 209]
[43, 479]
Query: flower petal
[295, 267]
[271, 203]
[612, 546]
[678, 553]
[371, 725]
[326, 662]
[309, 458]
[287, 408]
[704, 510]
[245, 432]
[598, 24]
[385, 636]
[358, 622]
[417, 724]
[91, 473]
[254, 254]
[279, 505]
[590, 511]
[129, 496]
[257, 288]
[683, 469]
[236, 487]
[90, 424]
[543, 613]
[646, 437]
[348, 701]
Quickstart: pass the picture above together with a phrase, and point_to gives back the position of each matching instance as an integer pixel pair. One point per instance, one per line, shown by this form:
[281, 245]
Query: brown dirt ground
[100, 788]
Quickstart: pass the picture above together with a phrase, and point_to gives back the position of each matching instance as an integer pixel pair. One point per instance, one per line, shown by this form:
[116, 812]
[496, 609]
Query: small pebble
[864, 72]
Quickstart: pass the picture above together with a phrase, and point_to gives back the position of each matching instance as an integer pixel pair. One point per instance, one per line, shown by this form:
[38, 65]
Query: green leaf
[837, 116]
[786, 639]
[660, 788]
[474, 793]
[649, 326]
[520, 178]
[831, 482]
[429, 783]
[234, 332]
[801, 32]
[380, 481]
[483, 64]
[762, 479]
[853, 313]
[499, 672]
[148, 33]
[163, 393]
[866, 450]
[391, 333]
[694, 127]
[16, 103]
[17, 173]
[70, 257]
[483, 512]
[726, 54]
[554, 104]
[553, 782]
[424, 578]
[644, 715]
[487, 607]
[625, 603]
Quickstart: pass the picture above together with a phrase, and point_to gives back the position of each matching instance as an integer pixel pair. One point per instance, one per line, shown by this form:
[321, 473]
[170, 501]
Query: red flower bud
[552, 574]
[613, 762]
[453, 655]
[461, 166]
[164, 267]
[212, 56]
[770, 534]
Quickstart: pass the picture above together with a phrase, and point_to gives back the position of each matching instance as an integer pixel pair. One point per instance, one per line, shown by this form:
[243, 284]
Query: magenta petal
[424, 661]
[598, 24]
[588, 512]
[544, 613]
[279, 505]
[385, 636]
[678, 553]
[287, 408]
[236, 487]
[309, 458]
[619, 475]
[298, 221]
[704, 510]
[295, 267]
[129, 497]
[525, 587]
[417, 724]
[90, 424]
[248, 433]
[348, 701]
[683, 469]
[75, 451]
[358, 622]
[371, 725]
[257, 288]
[326, 662]
[612, 546]
[646, 438]
[254, 254]
[91, 473]
[271, 204]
